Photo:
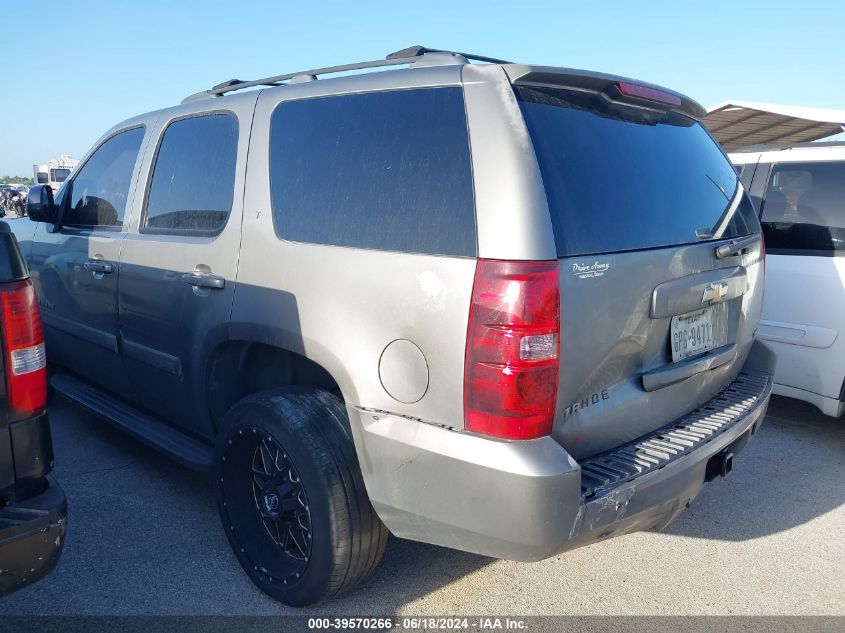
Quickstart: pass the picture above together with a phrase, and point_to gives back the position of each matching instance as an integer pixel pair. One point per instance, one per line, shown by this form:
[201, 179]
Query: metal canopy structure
[742, 124]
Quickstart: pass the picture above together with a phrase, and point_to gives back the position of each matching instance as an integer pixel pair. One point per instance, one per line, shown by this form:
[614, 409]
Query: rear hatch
[654, 322]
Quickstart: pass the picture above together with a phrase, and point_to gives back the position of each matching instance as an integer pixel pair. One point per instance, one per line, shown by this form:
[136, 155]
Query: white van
[799, 190]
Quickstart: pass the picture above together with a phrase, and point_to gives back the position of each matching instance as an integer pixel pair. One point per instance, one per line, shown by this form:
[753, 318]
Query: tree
[16, 179]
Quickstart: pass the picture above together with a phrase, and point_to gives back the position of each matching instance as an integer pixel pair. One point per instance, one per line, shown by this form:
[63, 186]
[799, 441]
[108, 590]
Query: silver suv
[502, 308]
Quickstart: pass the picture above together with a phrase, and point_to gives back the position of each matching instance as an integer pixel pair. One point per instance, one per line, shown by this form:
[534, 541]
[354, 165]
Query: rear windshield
[619, 178]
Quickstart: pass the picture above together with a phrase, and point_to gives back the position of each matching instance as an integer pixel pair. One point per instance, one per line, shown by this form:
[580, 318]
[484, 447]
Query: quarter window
[387, 170]
[100, 189]
[193, 180]
[804, 209]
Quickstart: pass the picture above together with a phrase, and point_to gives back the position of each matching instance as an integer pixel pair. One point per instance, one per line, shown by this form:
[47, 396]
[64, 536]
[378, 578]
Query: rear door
[180, 257]
[653, 323]
[75, 269]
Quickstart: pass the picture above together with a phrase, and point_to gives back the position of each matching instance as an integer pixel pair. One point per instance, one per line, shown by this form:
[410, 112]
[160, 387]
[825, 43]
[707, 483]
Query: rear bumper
[31, 537]
[528, 500]
[651, 500]
[834, 407]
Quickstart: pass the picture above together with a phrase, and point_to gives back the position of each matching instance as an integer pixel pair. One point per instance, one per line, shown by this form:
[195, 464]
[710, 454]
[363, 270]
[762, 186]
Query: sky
[73, 69]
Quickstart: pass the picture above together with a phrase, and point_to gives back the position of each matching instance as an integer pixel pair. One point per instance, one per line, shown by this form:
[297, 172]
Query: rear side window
[193, 180]
[619, 179]
[100, 189]
[804, 209]
[387, 170]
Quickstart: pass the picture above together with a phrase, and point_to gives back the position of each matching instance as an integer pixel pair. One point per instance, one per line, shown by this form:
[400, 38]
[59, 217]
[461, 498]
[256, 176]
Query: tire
[291, 496]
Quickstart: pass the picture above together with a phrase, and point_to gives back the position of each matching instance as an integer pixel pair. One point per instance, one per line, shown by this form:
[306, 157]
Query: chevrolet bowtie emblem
[715, 292]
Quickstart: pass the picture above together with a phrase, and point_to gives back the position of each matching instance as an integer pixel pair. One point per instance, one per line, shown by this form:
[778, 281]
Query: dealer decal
[589, 271]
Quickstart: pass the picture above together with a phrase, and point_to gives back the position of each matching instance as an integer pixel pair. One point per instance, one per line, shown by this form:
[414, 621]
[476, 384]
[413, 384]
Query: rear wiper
[719, 187]
[736, 246]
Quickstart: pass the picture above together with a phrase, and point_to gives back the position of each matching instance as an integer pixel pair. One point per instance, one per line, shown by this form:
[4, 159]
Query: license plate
[692, 334]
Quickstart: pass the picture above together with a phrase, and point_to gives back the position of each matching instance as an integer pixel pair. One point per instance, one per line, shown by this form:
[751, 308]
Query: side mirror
[40, 206]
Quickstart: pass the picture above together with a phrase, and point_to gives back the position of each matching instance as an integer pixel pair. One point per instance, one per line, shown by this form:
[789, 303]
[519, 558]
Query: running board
[142, 426]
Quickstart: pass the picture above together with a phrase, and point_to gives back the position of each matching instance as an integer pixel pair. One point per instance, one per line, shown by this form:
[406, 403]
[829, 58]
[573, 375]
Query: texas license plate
[692, 334]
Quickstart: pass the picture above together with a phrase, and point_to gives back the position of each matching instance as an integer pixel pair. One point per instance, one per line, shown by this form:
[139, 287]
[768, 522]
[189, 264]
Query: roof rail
[410, 55]
[416, 51]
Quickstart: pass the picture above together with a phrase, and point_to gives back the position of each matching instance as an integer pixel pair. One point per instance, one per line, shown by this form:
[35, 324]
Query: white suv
[800, 192]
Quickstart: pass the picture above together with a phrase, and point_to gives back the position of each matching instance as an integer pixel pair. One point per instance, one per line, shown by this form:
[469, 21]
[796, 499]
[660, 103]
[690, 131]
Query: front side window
[99, 192]
[386, 170]
[804, 209]
[193, 180]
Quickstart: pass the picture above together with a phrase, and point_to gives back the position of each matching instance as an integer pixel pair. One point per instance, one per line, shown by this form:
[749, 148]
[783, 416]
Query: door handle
[204, 280]
[98, 266]
[734, 247]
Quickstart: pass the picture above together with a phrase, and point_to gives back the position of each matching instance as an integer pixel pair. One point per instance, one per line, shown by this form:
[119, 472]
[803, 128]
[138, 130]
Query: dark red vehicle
[33, 509]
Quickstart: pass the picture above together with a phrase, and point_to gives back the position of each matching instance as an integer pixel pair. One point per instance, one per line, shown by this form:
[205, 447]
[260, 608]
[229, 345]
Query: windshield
[619, 178]
[60, 175]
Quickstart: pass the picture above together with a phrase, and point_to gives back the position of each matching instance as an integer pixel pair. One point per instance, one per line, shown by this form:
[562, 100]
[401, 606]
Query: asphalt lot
[144, 538]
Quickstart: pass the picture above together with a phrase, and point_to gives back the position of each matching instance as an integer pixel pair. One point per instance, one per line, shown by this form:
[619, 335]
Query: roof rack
[417, 51]
[410, 55]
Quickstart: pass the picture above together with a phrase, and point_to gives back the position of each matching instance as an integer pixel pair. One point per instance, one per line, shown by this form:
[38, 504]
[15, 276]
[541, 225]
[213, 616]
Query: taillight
[23, 349]
[513, 349]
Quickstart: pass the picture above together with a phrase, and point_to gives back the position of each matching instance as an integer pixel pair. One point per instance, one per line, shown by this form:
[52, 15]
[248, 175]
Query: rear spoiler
[619, 89]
